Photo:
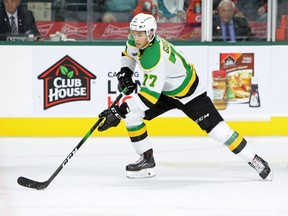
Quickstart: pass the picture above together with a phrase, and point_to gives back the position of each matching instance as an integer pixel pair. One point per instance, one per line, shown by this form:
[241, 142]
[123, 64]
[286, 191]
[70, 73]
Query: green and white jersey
[166, 71]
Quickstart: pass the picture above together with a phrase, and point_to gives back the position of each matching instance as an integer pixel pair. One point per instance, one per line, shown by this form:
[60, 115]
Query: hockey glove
[112, 116]
[124, 77]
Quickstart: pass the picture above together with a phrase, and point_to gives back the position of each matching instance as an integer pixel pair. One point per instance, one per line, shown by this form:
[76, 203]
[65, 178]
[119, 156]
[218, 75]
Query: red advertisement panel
[81, 31]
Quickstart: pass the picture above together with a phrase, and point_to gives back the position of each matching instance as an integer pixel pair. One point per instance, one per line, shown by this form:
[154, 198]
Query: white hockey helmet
[144, 22]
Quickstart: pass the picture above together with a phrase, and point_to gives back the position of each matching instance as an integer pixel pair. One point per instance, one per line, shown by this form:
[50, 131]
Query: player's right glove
[112, 116]
[125, 80]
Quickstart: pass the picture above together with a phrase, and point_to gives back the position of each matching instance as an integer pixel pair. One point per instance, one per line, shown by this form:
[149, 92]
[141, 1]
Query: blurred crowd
[112, 10]
[123, 10]
[231, 18]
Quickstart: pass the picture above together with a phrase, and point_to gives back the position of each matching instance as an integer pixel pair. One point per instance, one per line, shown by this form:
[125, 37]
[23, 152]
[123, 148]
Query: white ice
[195, 177]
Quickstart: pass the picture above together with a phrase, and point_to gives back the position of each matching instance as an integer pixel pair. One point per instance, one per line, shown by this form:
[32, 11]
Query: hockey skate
[262, 167]
[144, 167]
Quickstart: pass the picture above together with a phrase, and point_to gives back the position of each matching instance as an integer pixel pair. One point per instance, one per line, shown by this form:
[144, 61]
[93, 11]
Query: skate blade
[145, 173]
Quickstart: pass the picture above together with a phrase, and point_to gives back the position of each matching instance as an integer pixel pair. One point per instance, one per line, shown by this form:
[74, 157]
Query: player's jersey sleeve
[128, 55]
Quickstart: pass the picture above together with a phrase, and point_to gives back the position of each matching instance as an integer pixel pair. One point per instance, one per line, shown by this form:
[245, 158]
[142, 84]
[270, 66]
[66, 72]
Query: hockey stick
[42, 185]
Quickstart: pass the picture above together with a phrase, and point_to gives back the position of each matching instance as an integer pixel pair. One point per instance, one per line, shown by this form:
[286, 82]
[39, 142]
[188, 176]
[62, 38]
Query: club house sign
[66, 81]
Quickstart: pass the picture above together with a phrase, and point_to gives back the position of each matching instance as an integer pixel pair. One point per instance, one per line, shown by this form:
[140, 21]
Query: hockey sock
[234, 141]
[139, 138]
[142, 146]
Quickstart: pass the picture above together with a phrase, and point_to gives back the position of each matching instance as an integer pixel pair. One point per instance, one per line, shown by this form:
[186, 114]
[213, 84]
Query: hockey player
[169, 82]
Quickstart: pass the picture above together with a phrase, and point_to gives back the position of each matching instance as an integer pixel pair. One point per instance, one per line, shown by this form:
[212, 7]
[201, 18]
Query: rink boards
[60, 90]
[277, 126]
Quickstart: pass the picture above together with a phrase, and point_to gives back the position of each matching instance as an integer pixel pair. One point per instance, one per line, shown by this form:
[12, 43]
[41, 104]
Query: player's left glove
[125, 80]
[112, 116]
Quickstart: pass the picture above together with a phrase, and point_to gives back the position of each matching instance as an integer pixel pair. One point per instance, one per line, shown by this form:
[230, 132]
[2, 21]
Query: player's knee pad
[221, 132]
[134, 117]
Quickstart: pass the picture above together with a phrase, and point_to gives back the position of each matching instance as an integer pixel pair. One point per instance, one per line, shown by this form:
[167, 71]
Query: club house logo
[66, 81]
[229, 62]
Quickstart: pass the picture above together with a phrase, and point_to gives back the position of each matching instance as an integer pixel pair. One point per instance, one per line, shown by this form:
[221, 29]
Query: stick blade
[25, 182]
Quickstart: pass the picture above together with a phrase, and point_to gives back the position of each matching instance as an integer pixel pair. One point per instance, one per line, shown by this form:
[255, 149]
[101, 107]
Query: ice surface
[195, 177]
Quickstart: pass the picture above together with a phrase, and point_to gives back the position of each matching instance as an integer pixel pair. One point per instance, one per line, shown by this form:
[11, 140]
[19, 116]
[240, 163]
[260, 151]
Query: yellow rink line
[13, 127]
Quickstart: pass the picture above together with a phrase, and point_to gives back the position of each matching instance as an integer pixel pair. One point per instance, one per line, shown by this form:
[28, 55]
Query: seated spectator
[227, 27]
[15, 20]
[171, 11]
[254, 10]
[238, 13]
[119, 10]
[262, 11]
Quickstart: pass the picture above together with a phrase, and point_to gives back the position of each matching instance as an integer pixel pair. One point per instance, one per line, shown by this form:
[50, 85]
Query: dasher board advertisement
[248, 81]
[81, 81]
[87, 73]
[239, 68]
[77, 81]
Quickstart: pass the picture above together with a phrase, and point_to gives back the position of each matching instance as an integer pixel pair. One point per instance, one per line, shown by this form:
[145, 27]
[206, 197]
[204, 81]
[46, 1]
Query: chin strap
[149, 41]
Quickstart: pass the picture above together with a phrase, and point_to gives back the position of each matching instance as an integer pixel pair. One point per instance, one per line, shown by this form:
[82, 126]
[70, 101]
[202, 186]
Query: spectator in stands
[171, 11]
[262, 11]
[227, 27]
[254, 10]
[119, 10]
[238, 13]
[16, 20]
